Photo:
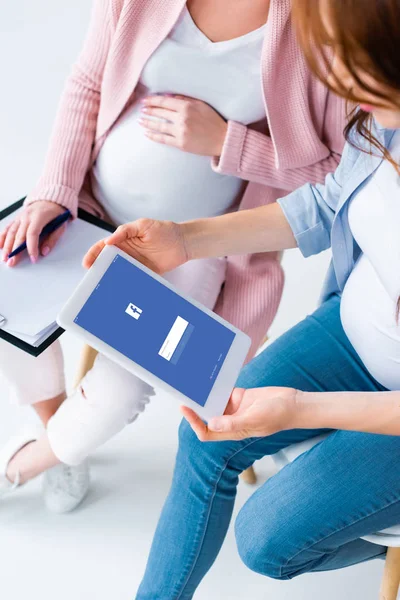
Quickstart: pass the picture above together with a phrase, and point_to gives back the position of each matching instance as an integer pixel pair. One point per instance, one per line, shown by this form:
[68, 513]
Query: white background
[100, 550]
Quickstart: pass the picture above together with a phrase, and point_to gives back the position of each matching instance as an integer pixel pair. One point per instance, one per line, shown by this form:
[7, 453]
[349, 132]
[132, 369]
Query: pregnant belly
[135, 177]
[368, 316]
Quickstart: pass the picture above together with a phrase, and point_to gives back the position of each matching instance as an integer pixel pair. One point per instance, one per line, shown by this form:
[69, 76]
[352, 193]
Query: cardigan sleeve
[73, 134]
[250, 155]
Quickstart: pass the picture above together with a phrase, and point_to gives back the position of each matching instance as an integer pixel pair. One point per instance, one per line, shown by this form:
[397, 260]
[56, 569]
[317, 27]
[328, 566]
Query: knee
[188, 440]
[114, 393]
[190, 449]
[206, 460]
[263, 543]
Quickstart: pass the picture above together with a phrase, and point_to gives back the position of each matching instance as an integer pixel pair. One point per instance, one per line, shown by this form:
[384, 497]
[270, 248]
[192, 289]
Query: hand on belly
[134, 177]
[184, 123]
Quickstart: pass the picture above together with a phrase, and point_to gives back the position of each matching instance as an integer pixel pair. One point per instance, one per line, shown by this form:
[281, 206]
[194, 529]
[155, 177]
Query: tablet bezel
[227, 376]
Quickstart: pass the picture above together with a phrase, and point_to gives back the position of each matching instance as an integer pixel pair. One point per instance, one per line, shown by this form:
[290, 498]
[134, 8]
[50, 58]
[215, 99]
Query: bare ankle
[15, 468]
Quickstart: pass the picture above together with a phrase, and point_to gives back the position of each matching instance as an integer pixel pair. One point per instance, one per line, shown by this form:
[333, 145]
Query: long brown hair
[366, 34]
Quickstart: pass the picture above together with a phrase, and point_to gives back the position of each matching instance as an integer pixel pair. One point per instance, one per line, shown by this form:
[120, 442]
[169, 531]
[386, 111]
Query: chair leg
[88, 357]
[249, 476]
[391, 576]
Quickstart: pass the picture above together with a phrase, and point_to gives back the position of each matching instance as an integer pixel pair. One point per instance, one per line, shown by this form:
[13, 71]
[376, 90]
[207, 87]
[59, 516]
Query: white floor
[99, 552]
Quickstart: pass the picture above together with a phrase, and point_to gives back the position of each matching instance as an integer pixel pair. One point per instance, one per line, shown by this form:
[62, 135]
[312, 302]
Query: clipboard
[36, 351]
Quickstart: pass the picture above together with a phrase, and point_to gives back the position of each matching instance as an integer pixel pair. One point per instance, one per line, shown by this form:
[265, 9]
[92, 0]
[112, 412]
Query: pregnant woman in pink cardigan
[174, 110]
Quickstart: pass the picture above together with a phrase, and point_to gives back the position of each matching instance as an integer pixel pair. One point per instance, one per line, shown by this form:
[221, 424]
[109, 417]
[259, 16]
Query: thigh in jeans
[314, 355]
[311, 516]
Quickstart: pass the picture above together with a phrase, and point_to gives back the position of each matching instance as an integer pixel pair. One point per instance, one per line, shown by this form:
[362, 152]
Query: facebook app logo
[134, 311]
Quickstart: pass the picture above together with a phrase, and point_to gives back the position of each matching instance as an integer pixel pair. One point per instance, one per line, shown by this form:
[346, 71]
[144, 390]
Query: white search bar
[173, 338]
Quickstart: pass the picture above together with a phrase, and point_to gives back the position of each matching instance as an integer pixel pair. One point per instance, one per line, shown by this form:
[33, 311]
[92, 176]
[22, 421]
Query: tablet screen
[157, 329]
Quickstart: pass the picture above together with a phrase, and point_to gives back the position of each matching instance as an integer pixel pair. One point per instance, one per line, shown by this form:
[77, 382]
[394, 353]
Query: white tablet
[142, 322]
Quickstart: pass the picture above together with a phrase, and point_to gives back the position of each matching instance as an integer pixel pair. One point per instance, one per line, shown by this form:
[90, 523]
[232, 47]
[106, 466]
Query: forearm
[263, 229]
[369, 412]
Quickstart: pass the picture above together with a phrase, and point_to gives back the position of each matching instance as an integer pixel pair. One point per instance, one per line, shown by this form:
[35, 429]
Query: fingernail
[45, 250]
[215, 425]
[33, 259]
[10, 262]
[145, 110]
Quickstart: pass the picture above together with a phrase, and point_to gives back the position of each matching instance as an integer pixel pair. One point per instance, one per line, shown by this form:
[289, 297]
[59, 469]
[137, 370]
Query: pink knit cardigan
[302, 142]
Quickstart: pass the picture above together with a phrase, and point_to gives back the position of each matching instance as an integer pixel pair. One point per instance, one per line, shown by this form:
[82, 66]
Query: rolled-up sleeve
[310, 210]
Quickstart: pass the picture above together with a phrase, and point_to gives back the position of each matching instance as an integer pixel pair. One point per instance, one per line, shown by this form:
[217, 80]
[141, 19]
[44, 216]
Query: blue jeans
[308, 517]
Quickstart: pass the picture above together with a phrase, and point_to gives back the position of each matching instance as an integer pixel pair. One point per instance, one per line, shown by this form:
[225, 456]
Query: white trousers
[109, 396]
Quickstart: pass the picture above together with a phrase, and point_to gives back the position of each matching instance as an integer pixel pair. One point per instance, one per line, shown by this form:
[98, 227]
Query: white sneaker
[13, 446]
[65, 487]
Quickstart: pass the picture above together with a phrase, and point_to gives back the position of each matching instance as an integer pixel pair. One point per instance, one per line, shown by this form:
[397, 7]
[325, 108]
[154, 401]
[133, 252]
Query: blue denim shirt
[318, 214]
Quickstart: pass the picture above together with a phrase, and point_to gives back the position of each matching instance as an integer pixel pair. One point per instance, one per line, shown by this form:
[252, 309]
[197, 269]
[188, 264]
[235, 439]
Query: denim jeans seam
[323, 539]
[212, 497]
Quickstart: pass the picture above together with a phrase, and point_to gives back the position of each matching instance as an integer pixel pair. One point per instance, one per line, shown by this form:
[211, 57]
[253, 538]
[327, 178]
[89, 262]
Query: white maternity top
[135, 177]
[368, 308]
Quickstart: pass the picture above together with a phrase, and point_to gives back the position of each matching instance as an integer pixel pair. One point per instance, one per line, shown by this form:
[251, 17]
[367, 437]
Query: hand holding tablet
[139, 320]
[255, 412]
[159, 245]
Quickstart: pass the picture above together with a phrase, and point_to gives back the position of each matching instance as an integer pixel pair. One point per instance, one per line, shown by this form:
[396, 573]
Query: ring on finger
[158, 126]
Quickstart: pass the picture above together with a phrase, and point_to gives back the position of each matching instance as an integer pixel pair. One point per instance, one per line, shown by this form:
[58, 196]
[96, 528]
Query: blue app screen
[157, 329]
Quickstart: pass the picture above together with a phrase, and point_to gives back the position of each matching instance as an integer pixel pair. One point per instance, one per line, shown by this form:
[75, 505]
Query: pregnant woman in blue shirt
[337, 370]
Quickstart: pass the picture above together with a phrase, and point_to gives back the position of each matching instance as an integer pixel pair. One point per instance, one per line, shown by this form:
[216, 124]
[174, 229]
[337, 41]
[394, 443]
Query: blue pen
[47, 230]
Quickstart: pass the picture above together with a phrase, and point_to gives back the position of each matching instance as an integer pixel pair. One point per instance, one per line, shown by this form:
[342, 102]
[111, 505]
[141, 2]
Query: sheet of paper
[31, 296]
[36, 340]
